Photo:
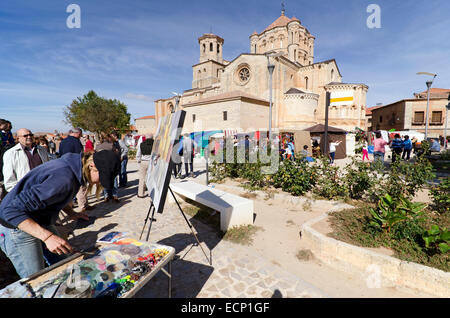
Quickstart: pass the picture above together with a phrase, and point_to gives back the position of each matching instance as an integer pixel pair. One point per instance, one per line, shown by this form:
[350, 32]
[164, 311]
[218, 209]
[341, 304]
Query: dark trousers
[396, 152]
[407, 153]
[186, 165]
[176, 169]
[123, 173]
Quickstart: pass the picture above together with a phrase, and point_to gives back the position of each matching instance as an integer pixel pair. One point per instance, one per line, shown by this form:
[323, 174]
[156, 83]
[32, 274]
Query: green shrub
[329, 182]
[437, 239]
[296, 177]
[440, 195]
[391, 211]
[131, 153]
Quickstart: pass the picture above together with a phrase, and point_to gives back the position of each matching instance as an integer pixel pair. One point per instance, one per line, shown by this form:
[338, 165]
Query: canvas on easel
[161, 164]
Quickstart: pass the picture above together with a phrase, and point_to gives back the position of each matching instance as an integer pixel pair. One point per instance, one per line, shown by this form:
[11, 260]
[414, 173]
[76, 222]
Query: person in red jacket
[89, 146]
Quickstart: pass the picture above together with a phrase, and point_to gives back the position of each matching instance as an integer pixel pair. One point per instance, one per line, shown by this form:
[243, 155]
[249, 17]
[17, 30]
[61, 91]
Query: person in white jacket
[21, 158]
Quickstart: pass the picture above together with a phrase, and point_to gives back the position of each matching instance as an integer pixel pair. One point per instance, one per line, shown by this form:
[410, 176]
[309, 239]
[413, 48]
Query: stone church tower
[234, 95]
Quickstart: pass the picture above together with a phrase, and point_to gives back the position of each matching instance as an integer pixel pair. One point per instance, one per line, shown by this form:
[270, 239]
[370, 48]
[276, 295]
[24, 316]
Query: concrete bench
[234, 210]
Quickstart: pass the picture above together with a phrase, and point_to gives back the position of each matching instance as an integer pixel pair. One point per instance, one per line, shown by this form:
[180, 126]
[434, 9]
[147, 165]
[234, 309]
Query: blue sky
[140, 51]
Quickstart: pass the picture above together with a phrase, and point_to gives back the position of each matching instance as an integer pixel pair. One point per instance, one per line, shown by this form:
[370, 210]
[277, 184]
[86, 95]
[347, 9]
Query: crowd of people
[40, 177]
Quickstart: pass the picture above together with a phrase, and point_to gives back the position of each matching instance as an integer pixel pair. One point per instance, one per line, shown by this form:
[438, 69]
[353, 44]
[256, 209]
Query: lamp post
[447, 108]
[270, 68]
[429, 83]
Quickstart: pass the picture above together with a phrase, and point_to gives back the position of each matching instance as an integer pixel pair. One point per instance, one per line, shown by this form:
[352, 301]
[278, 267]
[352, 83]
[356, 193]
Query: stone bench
[234, 210]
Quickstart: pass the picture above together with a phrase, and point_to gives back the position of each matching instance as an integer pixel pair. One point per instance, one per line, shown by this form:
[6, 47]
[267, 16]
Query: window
[306, 82]
[381, 119]
[225, 116]
[244, 74]
[332, 75]
[193, 118]
[419, 117]
[171, 108]
[393, 119]
[204, 47]
[211, 47]
[218, 48]
[436, 117]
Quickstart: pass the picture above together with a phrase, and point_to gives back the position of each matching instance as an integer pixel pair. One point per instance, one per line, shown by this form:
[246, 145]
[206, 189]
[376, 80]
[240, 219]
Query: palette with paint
[112, 271]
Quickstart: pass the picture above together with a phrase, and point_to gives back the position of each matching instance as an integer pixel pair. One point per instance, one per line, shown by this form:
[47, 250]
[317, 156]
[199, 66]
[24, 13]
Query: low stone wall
[381, 270]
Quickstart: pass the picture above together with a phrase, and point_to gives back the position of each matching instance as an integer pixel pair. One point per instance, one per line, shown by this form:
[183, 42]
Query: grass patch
[351, 226]
[249, 195]
[241, 234]
[201, 213]
[305, 255]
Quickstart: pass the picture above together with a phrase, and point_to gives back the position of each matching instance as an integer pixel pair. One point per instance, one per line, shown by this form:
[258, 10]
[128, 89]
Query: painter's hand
[57, 245]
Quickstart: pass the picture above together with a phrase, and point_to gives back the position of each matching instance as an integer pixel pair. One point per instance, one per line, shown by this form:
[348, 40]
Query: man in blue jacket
[407, 147]
[29, 211]
[397, 147]
[71, 143]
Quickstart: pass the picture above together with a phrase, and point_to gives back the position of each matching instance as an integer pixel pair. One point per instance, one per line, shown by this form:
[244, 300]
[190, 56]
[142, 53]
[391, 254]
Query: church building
[234, 96]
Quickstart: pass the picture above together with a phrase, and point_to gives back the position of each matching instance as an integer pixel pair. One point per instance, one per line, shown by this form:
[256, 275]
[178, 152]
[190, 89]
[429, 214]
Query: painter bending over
[29, 211]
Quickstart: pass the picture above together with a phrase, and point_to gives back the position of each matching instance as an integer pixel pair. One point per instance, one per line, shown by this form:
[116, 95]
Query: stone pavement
[236, 270]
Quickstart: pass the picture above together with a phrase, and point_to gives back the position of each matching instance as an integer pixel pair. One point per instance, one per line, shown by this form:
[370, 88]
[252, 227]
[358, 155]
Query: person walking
[177, 160]
[123, 159]
[365, 151]
[407, 147]
[379, 149]
[188, 155]
[397, 147]
[143, 157]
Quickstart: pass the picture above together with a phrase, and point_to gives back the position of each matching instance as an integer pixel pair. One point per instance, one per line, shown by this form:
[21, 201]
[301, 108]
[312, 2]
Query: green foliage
[359, 178]
[329, 184]
[296, 177]
[402, 180]
[440, 195]
[131, 153]
[436, 238]
[97, 114]
[391, 211]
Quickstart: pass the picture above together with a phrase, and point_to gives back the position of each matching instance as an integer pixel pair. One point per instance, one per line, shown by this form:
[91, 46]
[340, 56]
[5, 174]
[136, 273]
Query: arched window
[332, 75]
[204, 47]
[255, 48]
[306, 82]
[218, 48]
[171, 108]
[295, 55]
[211, 47]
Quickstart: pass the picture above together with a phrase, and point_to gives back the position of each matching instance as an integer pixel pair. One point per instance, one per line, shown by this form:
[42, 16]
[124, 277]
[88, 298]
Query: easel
[152, 210]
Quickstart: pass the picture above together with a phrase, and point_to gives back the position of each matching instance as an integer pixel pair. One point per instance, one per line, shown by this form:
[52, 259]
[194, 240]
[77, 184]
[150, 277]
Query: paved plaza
[236, 270]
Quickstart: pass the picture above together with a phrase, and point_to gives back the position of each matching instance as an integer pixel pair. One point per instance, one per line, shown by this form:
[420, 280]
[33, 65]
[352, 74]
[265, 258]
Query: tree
[97, 114]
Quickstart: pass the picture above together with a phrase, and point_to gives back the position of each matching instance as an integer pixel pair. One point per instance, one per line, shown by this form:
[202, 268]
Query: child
[365, 152]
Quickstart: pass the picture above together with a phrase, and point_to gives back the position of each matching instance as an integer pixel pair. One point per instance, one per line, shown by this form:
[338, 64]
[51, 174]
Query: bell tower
[210, 48]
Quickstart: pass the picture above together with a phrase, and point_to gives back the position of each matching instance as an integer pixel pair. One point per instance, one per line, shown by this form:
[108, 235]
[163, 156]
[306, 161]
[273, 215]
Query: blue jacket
[407, 144]
[42, 192]
[397, 143]
[70, 144]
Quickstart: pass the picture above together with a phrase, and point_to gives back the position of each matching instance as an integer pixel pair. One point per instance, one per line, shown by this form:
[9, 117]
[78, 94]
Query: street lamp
[270, 68]
[447, 108]
[429, 83]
